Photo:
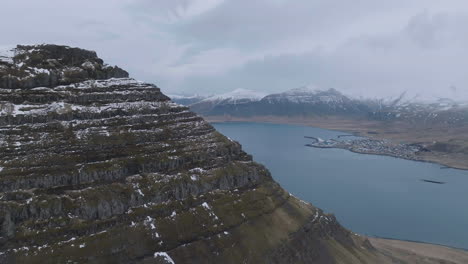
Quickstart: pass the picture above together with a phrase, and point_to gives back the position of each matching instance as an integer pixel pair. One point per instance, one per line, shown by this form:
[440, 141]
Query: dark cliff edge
[52, 65]
[96, 167]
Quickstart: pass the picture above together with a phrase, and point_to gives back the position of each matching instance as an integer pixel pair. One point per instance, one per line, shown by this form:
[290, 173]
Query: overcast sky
[361, 47]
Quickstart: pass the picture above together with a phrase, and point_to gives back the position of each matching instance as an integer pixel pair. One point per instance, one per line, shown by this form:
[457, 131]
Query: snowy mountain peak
[234, 98]
[238, 95]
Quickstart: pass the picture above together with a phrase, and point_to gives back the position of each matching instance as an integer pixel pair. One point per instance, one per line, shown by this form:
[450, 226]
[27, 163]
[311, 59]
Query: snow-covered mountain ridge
[236, 96]
[308, 95]
[310, 100]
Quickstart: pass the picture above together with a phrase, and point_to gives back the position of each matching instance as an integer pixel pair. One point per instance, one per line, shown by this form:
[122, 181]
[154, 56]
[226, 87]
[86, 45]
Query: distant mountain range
[310, 101]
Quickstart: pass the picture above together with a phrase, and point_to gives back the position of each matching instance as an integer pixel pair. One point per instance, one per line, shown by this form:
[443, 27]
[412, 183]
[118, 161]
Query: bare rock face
[52, 65]
[96, 169]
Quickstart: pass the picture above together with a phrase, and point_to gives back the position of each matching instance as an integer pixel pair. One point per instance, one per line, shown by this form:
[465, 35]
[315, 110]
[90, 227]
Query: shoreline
[353, 132]
[391, 156]
[413, 251]
[417, 242]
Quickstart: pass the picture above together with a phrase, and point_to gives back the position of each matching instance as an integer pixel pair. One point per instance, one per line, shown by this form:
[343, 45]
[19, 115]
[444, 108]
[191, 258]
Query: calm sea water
[369, 194]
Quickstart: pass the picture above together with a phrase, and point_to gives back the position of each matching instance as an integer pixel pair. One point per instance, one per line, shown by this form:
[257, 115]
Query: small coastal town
[371, 146]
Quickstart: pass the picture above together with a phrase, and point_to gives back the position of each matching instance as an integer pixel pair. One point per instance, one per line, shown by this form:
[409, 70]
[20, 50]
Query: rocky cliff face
[111, 171]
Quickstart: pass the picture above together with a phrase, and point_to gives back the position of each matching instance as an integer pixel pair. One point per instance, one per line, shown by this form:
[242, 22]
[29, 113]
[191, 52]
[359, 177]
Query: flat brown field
[448, 145]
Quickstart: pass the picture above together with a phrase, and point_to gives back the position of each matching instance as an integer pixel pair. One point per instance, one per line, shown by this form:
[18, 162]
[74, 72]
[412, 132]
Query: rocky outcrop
[111, 171]
[52, 65]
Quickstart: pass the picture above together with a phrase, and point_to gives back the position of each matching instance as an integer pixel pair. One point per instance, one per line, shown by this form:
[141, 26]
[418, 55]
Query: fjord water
[369, 194]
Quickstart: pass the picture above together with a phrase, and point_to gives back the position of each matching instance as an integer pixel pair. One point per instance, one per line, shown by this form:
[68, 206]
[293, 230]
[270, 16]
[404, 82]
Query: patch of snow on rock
[199, 170]
[206, 206]
[165, 256]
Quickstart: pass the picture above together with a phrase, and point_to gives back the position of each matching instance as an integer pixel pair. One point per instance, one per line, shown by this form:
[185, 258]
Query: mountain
[308, 101]
[234, 98]
[299, 101]
[237, 96]
[309, 95]
[186, 100]
[97, 170]
[442, 111]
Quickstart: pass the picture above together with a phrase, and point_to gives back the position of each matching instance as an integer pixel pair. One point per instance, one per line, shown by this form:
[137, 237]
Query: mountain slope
[111, 171]
[438, 112]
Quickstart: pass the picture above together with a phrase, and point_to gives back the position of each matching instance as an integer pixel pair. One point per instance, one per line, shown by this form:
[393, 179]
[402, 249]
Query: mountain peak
[47, 65]
[238, 94]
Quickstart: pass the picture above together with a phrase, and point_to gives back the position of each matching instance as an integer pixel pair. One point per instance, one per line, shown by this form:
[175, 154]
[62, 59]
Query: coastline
[360, 128]
[392, 156]
[412, 251]
[417, 242]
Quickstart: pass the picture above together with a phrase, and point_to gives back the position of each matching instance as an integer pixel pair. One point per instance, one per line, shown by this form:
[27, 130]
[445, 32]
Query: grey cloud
[364, 47]
[259, 23]
[436, 30]
[367, 65]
